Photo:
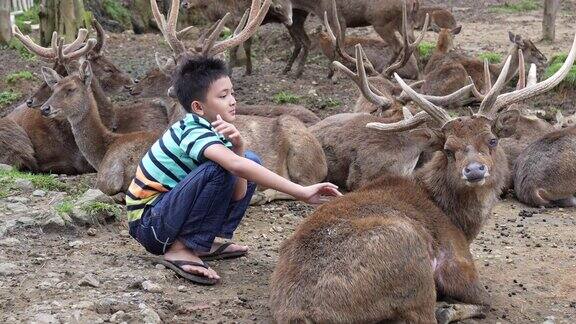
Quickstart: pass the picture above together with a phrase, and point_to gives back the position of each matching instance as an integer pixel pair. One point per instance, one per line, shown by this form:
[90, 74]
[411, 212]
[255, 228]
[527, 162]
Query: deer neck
[105, 106]
[444, 44]
[469, 208]
[91, 136]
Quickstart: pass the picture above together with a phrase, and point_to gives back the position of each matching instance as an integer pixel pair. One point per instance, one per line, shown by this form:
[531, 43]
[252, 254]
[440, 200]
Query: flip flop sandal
[176, 266]
[219, 254]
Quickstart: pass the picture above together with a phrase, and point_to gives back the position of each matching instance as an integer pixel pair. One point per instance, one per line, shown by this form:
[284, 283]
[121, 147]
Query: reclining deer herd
[422, 182]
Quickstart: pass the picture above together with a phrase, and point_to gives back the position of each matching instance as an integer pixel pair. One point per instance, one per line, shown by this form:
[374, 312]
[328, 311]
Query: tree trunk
[5, 27]
[549, 22]
[62, 16]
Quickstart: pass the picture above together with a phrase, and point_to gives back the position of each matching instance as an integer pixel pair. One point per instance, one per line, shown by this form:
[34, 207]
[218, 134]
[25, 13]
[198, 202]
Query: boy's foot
[224, 251]
[179, 252]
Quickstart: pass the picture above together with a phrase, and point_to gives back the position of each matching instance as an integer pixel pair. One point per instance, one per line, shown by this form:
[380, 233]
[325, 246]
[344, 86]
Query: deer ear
[86, 73]
[512, 37]
[166, 65]
[505, 123]
[456, 30]
[50, 76]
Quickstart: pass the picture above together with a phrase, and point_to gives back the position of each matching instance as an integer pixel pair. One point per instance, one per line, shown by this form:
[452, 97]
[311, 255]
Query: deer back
[16, 149]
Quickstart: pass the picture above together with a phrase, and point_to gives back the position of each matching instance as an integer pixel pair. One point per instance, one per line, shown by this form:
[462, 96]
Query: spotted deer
[280, 12]
[388, 251]
[284, 143]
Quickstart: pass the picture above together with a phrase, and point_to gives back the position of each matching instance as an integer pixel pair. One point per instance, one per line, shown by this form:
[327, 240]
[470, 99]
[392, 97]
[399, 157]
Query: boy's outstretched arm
[244, 168]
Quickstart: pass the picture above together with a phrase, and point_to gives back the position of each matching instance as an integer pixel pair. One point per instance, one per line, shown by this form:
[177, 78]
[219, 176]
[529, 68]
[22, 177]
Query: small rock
[118, 317]
[10, 241]
[160, 267]
[89, 281]
[6, 167]
[91, 232]
[94, 195]
[8, 269]
[54, 221]
[181, 288]
[124, 233]
[314, 83]
[278, 229]
[18, 199]
[149, 286]
[26, 221]
[38, 193]
[149, 315]
[23, 184]
[76, 244]
[44, 318]
[549, 320]
[17, 207]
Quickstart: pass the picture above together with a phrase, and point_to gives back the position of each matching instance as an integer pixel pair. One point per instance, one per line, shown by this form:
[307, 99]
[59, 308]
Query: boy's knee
[250, 155]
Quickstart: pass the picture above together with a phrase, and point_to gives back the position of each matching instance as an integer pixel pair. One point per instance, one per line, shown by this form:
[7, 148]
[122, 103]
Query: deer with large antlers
[387, 251]
[292, 140]
[280, 12]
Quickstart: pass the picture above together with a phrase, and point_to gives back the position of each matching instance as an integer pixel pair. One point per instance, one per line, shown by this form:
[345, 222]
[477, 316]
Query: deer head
[471, 154]
[531, 53]
[69, 94]
[445, 41]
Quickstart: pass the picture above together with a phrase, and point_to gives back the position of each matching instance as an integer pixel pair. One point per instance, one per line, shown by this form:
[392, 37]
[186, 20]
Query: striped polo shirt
[179, 151]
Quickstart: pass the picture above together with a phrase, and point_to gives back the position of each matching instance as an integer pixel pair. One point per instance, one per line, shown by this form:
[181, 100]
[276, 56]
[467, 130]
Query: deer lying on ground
[15, 146]
[386, 252]
[280, 12]
[439, 16]
[444, 73]
[284, 143]
[384, 15]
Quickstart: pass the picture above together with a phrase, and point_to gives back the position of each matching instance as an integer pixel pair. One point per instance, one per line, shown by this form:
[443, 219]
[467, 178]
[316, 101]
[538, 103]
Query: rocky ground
[66, 256]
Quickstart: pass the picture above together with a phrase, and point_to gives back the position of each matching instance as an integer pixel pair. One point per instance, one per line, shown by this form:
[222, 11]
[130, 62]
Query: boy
[196, 181]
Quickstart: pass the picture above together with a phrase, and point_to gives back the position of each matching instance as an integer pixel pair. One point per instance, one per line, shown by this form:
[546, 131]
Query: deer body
[15, 146]
[440, 16]
[544, 173]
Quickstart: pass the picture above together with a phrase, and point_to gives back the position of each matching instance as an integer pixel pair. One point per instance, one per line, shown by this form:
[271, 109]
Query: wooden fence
[19, 6]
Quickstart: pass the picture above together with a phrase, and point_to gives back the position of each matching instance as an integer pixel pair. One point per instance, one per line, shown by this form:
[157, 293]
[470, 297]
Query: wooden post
[5, 24]
[549, 22]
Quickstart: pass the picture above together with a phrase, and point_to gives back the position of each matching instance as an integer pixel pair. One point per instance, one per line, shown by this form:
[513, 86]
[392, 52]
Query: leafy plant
[20, 75]
[519, 6]
[8, 97]
[492, 57]
[117, 12]
[556, 63]
[64, 208]
[425, 49]
[95, 208]
[30, 15]
[283, 97]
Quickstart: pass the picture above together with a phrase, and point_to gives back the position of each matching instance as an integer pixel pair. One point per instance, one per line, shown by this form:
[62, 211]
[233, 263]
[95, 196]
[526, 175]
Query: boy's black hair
[194, 77]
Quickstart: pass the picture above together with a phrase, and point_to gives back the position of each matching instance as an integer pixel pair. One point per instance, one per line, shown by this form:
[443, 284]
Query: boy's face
[219, 101]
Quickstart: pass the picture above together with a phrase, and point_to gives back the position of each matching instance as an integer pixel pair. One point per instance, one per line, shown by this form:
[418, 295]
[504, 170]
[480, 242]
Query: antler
[410, 121]
[407, 48]
[490, 98]
[337, 39]
[100, 36]
[521, 71]
[209, 46]
[361, 80]
[58, 50]
[536, 88]
[461, 96]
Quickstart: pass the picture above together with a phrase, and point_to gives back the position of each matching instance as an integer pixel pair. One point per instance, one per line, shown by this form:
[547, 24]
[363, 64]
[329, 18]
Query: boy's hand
[231, 133]
[319, 193]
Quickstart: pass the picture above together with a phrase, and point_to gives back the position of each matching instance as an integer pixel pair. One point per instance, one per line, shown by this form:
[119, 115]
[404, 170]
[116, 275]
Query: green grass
[493, 58]
[226, 33]
[117, 12]
[8, 97]
[323, 102]
[516, 6]
[64, 208]
[556, 63]
[40, 181]
[30, 15]
[284, 97]
[425, 49]
[4, 193]
[20, 75]
[95, 208]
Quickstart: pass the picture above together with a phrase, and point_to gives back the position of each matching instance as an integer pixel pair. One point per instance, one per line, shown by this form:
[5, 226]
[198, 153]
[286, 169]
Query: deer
[384, 15]
[15, 146]
[440, 16]
[388, 251]
[280, 12]
[453, 64]
[284, 142]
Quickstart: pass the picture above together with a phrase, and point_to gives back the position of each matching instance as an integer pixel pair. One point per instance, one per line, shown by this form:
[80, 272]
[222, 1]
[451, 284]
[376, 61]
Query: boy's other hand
[319, 193]
[231, 133]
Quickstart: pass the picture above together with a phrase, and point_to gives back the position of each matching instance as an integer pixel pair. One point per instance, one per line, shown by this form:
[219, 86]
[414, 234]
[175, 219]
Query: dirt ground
[80, 274]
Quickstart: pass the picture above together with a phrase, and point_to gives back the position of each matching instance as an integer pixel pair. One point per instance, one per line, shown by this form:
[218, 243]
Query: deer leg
[299, 32]
[297, 47]
[232, 58]
[566, 202]
[447, 313]
[248, 50]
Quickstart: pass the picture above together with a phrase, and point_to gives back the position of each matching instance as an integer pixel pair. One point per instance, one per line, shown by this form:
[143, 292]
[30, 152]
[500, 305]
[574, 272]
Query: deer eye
[449, 153]
[493, 142]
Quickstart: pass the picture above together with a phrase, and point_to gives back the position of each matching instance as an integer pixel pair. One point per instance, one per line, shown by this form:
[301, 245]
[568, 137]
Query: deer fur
[114, 156]
[384, 15]
[15, 146]
[544, 173]
[395, 245]
[280, 12]
[439, 16]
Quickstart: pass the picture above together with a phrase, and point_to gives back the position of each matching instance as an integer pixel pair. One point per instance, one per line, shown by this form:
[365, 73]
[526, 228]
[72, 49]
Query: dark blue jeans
[196, 211]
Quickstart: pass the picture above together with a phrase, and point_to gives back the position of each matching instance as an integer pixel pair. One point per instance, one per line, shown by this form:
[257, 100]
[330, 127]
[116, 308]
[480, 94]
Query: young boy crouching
[195, 183]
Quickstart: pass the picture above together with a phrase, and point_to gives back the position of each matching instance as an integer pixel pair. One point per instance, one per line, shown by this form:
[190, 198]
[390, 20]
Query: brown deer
[439, 16]
[563, 122]
[386, 252]
[284, 142]
[445, 74]
[280, 12]
[15, 146]
[384, 15]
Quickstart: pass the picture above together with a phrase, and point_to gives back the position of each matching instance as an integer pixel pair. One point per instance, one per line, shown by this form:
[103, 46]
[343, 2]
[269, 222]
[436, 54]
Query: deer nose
[45, 110]
[475, 172]
[30, 102]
